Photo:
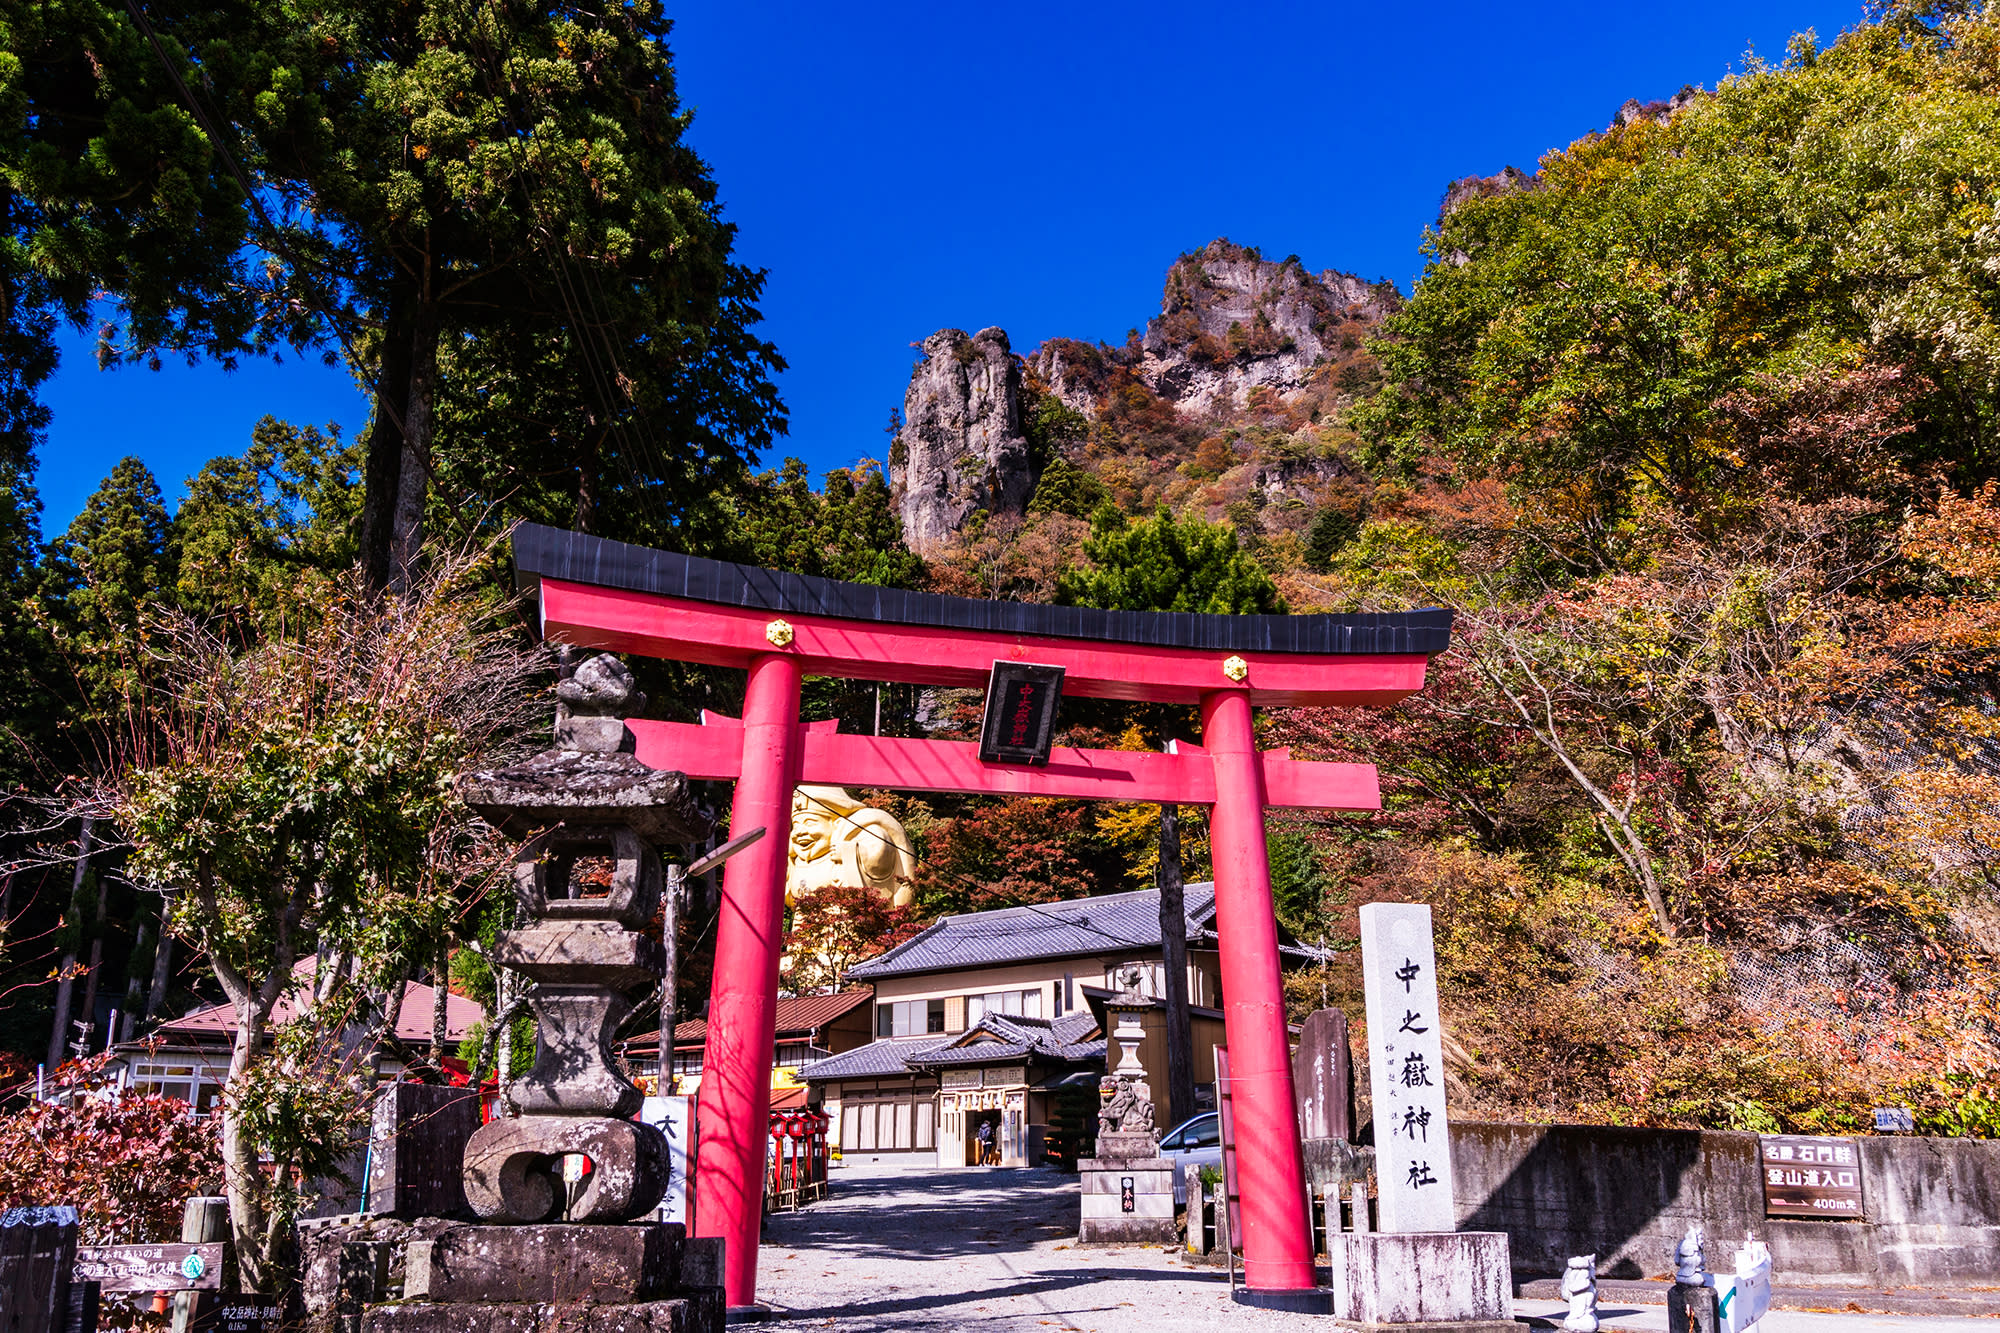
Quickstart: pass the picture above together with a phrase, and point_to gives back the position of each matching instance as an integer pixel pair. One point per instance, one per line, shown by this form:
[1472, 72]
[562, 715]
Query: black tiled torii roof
[543, 552]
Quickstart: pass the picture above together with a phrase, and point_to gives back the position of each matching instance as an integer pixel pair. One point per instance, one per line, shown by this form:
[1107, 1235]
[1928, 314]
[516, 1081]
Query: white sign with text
[675, 1117]
[1406, 1068]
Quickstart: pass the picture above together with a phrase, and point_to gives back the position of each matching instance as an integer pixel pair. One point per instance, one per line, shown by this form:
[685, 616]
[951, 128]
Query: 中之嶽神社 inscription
[1406, 1068]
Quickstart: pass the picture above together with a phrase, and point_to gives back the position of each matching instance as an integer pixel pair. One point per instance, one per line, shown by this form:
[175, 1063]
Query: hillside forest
[1695, 424]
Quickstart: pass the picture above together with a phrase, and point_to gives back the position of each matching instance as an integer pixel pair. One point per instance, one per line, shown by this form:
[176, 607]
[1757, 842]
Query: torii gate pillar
[1277, 1248]
[734, 1126]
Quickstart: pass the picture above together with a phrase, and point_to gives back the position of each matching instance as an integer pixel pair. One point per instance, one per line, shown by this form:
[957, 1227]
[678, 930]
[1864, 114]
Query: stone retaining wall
[1627, 1195]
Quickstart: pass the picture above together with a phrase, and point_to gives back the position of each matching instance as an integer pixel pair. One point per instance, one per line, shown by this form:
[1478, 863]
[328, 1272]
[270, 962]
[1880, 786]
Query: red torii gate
[782, 628]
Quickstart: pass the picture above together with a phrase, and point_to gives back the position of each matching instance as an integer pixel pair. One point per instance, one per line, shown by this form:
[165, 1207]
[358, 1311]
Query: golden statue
[839, 843]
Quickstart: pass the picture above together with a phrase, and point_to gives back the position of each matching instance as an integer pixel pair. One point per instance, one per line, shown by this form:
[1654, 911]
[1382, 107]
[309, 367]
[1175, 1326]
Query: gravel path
[994, 1251]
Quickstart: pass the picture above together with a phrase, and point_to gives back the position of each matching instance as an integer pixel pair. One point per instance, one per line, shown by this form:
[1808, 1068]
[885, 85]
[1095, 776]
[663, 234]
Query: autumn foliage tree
[129, 1163]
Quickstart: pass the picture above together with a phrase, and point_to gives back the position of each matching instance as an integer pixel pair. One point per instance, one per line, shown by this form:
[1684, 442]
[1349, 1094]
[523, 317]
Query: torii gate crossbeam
[782, 628]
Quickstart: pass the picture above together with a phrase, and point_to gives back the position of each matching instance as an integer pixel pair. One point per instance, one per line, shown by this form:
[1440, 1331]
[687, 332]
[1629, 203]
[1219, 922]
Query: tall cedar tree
[104, 576]
[526, 260]
[114, 208]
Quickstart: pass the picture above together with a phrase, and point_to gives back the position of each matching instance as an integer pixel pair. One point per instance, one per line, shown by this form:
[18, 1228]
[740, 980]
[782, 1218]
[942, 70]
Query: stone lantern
[587, 881]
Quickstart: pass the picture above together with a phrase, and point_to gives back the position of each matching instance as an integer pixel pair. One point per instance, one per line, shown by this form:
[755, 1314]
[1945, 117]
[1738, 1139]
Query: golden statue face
[812, 829]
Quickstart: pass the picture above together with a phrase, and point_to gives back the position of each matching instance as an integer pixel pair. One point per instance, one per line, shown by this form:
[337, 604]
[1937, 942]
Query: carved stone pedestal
[1127, 1200]
[1422, 1281]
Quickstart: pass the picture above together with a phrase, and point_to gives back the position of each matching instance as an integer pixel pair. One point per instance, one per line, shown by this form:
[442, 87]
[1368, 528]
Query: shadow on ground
[941, 1216]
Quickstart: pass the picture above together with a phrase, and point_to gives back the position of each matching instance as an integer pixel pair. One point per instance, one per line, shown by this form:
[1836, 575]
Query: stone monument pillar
[556, 1248]
[1418, 1269]
[1128, 1188]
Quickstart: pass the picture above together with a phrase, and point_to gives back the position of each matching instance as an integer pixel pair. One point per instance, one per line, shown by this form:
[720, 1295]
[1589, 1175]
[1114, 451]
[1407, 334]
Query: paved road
[993, 1251]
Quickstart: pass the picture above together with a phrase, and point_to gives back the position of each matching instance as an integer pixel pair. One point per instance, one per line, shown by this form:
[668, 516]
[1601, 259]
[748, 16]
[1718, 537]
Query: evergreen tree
[1065, 488]
[252, 524]
[26, 720]
[533, 272]
[115, 210]
[104, 575]
[848, 530]
[1167, 564]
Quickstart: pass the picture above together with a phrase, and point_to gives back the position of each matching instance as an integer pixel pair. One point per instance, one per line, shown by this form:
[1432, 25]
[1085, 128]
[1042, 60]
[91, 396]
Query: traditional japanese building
[188, 1057]
[986, 1016]
[810, 1028]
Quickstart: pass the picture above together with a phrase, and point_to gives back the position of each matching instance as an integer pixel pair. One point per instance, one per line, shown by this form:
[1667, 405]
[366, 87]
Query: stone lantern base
[380, 1275]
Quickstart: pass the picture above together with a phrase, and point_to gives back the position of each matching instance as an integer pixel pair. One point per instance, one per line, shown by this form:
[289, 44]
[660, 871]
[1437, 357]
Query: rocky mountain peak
[961, 448]
[1231, 320]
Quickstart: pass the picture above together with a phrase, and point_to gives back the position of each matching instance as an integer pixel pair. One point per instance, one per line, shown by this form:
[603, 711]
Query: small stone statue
[1690, 1267]
[1129, 1110]
[1579, 1288]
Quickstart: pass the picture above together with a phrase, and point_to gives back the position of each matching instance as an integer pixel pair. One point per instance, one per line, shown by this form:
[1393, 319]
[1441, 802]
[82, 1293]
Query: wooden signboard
[1806, 1176]
[162, 1267]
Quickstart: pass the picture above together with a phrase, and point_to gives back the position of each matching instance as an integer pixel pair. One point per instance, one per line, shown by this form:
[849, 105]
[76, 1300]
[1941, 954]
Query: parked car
[1191, 1145]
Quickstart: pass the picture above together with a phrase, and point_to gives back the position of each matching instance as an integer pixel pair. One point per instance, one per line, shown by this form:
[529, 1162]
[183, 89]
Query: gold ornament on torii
[841, 843]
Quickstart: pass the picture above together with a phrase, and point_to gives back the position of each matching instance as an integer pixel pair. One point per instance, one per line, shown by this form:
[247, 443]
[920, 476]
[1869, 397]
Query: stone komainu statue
[841, 843]
[1129, 1109]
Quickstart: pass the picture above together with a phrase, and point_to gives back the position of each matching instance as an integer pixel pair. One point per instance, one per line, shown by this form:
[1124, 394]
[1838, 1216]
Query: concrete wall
[1628, 1195]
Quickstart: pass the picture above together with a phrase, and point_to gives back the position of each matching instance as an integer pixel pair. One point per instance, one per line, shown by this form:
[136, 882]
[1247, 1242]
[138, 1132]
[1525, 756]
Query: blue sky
[901, 168]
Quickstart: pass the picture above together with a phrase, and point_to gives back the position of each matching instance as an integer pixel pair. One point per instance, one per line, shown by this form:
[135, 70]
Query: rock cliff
[1238, 336]
[961, 447]
[1231, 320]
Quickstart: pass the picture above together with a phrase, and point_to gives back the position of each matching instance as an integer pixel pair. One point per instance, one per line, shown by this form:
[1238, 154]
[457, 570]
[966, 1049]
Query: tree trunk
[59, 1030]
[440, 1010]
[413, 476]
[163, 955]
[382, 470]
[504, 989]
[143, 945]
[1173, 952]
[242, 1176]
[96, 968]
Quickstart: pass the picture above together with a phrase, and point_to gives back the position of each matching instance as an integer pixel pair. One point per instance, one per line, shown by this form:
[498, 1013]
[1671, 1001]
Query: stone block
[1103, 1216]
[1420, 1277]
[1323, 1077]
[553, 1263]
[1691, 1309]
[701, 1261]
[431, 1317]
[565, 953]
[417, 1150]
[1119, 1147]
[594, 735]
[351, 1261]
[648, 1317]
[572, 1073]
[1097, 1207]
[1108, 1178]
[700, 1312]
[1128, 1229]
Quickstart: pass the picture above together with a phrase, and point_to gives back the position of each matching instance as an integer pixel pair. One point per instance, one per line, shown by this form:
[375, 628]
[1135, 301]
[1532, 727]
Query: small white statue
[1690, 1267]
[1579, 1288]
